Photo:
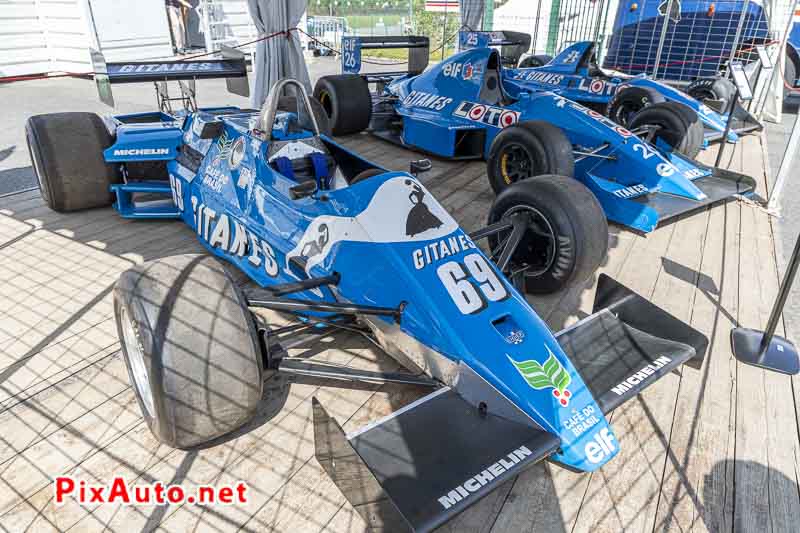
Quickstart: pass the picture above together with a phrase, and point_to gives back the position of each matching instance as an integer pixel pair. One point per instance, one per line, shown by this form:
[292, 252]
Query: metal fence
[681, 40]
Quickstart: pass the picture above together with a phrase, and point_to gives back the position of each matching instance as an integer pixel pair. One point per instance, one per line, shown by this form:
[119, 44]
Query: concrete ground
[787, 226]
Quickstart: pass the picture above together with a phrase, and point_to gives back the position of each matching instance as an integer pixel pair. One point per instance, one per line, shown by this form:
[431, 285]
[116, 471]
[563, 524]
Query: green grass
[369, 21]
[402, 55]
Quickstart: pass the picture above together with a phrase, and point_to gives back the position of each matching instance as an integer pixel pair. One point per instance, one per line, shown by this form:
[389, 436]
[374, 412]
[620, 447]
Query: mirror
[419, 166]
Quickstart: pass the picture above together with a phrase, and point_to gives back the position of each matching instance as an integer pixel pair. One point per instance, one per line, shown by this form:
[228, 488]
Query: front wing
[423, 464]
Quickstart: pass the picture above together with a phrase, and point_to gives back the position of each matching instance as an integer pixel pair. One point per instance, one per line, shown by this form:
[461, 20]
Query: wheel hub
[516, 163]
[135, 352]
[536, 252]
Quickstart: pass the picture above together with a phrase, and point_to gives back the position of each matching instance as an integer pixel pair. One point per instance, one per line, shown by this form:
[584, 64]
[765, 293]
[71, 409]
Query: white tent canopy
[281, 56]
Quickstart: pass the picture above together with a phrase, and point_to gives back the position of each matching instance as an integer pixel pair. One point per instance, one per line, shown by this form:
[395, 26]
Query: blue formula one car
[465, 107]
[574, 74]
[340, 243]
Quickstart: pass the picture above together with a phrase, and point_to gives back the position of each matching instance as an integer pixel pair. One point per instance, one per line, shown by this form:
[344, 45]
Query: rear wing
[512, 43]
[418, 52]
[232, 67]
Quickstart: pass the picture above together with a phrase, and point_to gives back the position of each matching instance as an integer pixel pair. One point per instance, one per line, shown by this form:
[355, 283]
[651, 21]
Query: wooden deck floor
[712, 449]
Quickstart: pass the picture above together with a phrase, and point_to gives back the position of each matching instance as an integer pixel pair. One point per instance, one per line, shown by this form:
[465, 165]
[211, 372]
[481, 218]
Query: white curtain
[472, 14]
[279, 57]
[780, 13]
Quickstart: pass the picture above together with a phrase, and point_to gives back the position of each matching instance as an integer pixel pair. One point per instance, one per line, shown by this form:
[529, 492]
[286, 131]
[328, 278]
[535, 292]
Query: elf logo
[600, 447]
[141, 151]
[453, 70]
[486, 114]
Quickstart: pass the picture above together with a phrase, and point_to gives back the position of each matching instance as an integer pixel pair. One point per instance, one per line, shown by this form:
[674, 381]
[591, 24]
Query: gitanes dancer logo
[420, 219]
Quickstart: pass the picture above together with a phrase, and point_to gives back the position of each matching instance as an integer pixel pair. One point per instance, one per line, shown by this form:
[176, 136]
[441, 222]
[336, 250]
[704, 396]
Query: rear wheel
[628, 101]
[289, 103]
[66, 151]
[567, 233]
[190, 345]
[347, 102]
[528, 149]
[535, 61]
[664, 125]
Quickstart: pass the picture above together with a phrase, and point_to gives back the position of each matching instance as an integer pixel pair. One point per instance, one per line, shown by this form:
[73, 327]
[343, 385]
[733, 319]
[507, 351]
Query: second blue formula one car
[337, 243]
[464, 107]
[574, 74]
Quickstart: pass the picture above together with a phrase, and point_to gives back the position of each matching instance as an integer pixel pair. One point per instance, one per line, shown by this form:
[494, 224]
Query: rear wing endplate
[418, 51]
[512, 43]
[232, 67]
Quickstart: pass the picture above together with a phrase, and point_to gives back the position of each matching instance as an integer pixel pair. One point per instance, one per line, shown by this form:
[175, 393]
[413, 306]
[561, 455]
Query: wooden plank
[767, 448]
[697, 488]
[290, 410]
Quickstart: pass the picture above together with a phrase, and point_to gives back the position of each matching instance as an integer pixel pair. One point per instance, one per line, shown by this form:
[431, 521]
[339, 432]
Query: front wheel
[531, 148]
[666, 126]
[191, 348]
[714, 88]
[630, 100]
[566, 237]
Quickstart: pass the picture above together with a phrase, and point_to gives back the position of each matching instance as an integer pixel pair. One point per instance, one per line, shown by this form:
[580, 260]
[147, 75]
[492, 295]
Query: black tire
[532, 148]
[366, 174]
[628, 101]
[66, 151]
[789, 75]
[289, 103]
[671, 127]
[566, 209]
[347, 101]
[188, 337]
[535, 61]
[712, 88]
[696, 131]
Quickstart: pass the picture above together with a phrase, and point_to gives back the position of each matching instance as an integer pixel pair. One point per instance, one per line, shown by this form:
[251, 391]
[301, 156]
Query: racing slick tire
[347, 102]
[567, 239]
[190, 346]
[535, 61]
[289, 103]
[672, 128]
[531, 148]
[628, 101]
[695, 127]
[366, 174]
[66, 151]
[714, 88]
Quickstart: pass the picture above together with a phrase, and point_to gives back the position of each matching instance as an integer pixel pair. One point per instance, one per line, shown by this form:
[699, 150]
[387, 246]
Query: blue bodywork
[243, 212]
[450, 111]
[700, 36]
[573, 75]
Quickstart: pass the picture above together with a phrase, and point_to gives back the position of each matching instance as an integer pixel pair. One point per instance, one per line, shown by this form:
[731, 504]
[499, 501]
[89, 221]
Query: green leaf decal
[550, 375]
